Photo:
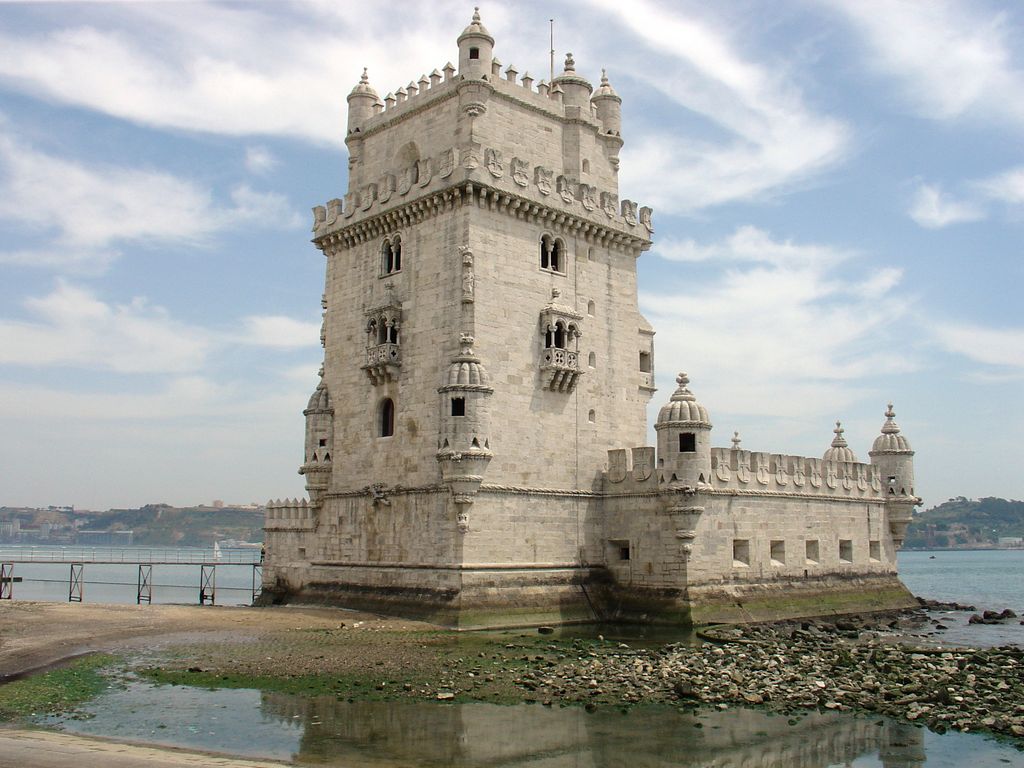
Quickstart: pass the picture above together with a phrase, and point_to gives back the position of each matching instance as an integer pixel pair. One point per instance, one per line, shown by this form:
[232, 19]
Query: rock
[545, 630]
[685, 690]
[445, 696]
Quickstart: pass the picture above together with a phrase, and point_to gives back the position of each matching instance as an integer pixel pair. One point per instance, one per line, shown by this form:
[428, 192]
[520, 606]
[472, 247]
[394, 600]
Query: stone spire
[839, 451]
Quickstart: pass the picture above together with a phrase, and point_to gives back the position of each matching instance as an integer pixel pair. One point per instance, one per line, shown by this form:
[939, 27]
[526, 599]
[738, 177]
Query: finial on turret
[839, 441]
[735, 441]
[476, 14]
[604, 76]
[570, 63]
[466, 342]
[682, 380]
[890, 427]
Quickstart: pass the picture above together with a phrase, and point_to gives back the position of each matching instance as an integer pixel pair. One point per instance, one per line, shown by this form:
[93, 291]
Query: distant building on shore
[474, 451]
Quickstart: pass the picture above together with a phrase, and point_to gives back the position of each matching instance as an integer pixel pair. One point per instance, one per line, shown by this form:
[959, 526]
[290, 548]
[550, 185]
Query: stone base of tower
[830, 595]
[457, 597]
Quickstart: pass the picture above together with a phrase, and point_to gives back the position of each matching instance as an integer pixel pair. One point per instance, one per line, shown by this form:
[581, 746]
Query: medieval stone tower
[484, 363]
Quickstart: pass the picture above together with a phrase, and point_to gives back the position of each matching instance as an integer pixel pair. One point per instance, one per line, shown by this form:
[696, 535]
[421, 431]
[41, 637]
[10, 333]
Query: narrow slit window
[645, 362]
[387, 418]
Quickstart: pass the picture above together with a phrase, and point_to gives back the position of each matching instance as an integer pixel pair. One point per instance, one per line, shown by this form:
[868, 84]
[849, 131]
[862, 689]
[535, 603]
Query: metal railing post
[75, 583]
[145, 585]
[208, 584]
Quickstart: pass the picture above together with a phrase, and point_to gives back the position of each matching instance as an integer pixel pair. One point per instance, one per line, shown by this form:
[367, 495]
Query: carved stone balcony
[383, 362]
[560, 369]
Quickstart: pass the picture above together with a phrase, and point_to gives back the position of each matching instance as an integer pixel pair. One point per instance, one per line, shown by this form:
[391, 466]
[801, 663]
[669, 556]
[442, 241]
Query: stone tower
[483, 345]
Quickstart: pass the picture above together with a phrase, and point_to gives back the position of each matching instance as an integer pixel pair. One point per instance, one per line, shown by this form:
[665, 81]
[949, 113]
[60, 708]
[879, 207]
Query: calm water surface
[326, 731]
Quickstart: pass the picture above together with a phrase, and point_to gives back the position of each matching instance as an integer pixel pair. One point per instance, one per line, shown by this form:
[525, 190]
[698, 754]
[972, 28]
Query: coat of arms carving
[470, 159]
[543, 177]
[520, 172]
[367, 196]
[446, 163]
[406, 177]
[646, 215]
[424, 171]
[643, 463]
[566, 189]
[617, 465]
[629, 212]
[387, 187]
[609, 204]
[588, 196]
[492, 159]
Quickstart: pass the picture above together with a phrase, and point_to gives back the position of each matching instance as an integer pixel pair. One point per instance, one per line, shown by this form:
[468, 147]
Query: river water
[331, 732]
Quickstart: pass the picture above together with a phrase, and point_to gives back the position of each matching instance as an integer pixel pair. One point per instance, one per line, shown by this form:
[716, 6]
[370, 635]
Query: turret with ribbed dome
[319, 415]
[839, 451]
[892, 454]
[463, 442]
[684, 438]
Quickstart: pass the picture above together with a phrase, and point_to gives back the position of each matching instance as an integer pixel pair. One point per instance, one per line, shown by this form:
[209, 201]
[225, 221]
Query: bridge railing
[168, 555]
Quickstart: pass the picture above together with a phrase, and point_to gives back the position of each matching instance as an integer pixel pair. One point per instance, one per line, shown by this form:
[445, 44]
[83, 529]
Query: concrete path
[21, 748]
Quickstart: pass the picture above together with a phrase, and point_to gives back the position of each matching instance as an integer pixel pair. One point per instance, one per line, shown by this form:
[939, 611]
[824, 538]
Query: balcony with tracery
[383, 351]
[560, 358]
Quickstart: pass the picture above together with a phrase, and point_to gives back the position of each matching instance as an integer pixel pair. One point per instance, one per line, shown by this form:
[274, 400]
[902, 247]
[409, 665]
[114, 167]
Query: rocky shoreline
[848, 665]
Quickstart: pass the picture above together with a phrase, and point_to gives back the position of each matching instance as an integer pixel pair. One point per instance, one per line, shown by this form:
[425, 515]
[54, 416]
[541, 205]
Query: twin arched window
[560, 335]
[381, 330]
[552, 254]
[391, 255]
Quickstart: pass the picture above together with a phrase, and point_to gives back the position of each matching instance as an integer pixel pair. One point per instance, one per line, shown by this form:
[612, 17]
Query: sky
[838, 189]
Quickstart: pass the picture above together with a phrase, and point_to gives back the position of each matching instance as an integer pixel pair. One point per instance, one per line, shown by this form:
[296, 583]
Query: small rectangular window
[740, 552]
[845, 551]
[875, 550]
[458, 406]
[687, 442]
[812, 556]
[618, 550]
[645, 362]
[474, 53]
[323, 441]
[778, 552]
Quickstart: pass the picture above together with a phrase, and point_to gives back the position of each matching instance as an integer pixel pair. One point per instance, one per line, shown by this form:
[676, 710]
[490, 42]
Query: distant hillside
[155, 525]
[159, 525]
[963, 522]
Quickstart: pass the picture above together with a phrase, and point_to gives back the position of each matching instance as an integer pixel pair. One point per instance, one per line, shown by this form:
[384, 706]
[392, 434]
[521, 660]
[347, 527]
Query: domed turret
[609, 107]
[684, 438]
[316, 466]
[362, 103]
[839, 451]
[892, 454]
[464, 440]
[575, 89]
[890, 441]
[476, 48]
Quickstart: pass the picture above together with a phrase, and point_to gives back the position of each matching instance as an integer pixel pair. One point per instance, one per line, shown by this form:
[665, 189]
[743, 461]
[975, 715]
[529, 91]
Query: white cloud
[931, 209]
[259, 160]
[92, 209]
[235, 69]
[952, 58]
[784, 325]
[72, 327]
[992, 346]
[281, 332]
[769, 138]
[1006, 187]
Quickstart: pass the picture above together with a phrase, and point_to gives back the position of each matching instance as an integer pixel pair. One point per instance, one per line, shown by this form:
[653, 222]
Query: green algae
[55, 691]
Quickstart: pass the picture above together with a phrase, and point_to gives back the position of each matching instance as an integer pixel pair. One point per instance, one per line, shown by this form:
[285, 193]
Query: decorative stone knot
[555, 293]
[570, 64]
[466, 342]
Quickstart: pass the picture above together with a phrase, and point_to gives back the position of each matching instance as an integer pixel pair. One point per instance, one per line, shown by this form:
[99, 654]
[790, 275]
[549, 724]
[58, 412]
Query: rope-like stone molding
[454, 566]
[793, 495]
[469, 193]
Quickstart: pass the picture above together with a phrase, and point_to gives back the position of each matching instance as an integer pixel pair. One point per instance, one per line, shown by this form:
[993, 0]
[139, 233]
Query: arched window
[386, 418]
[391, 255]
[552, 254]
[586, 166]
[592, 360]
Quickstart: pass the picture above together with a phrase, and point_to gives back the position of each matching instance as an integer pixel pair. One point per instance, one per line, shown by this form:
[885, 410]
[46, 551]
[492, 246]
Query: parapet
[290, 515]
[758, 472]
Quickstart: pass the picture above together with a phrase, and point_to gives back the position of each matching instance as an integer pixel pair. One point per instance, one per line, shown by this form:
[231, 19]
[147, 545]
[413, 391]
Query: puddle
[326, 731]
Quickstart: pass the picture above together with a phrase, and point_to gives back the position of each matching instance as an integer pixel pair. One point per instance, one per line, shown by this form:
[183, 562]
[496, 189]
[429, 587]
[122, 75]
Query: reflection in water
[326, 731]
[427, 733]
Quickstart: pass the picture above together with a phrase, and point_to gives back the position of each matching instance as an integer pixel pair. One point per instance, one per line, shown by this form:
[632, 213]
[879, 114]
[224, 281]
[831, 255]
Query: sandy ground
[36, 635]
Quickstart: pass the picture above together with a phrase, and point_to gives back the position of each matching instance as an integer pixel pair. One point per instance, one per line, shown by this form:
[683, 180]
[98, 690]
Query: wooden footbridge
[207, 560]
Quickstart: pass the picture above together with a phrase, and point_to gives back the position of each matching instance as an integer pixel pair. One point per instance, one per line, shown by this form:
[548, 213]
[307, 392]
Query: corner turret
[684, 439]
[464, 440]
[319, 415]
[892, 454]
[609, 107]
[575, 89]
[476, 49]
[363, 103]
